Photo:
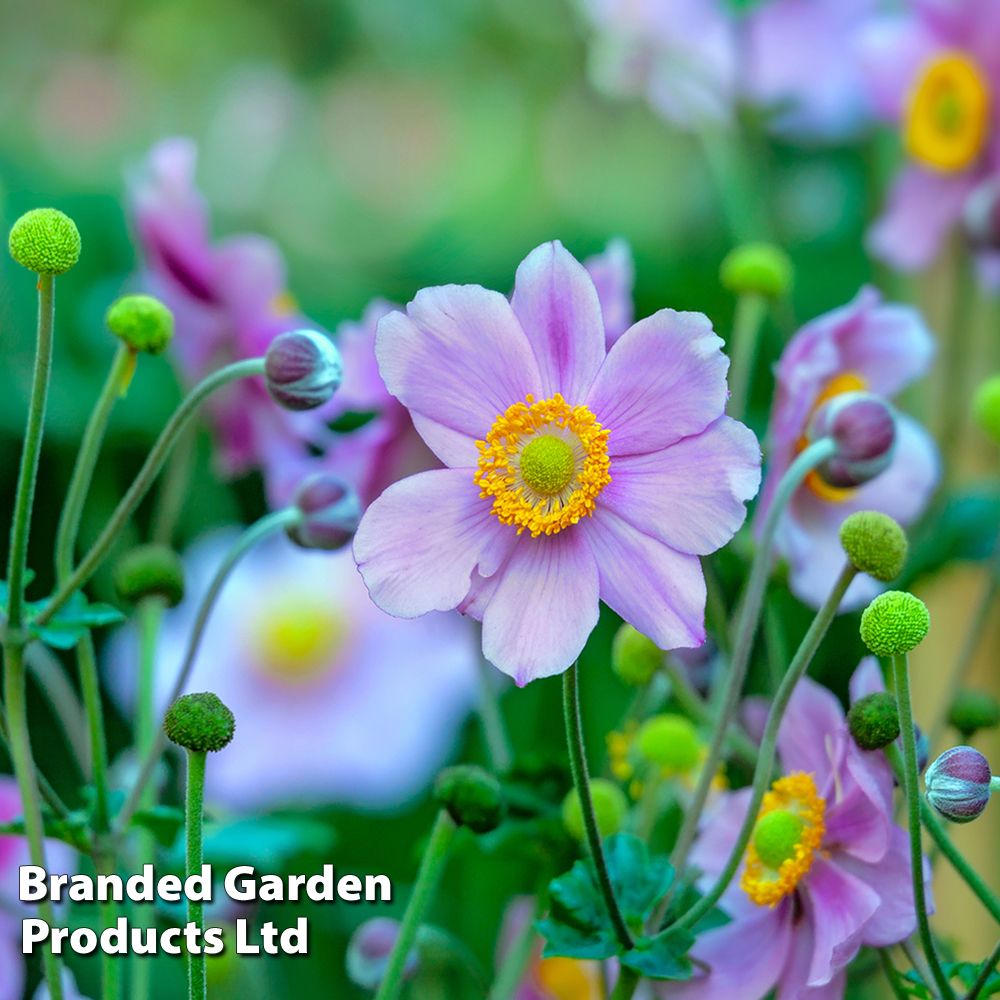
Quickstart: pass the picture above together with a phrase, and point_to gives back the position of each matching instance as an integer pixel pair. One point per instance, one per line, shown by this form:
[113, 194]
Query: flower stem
[892, 974]
[765, 760]
[431, 866]
[746, 629]
[491, 717]
[912, 793]
[751, 310]
[149, 471]
[515, 962]
[194, 817]
[91, 689]
[581, 779]
[628, 980]
[989, 966]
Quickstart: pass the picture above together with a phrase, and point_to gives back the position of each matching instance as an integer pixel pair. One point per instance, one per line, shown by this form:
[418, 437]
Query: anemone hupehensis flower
[573, 473]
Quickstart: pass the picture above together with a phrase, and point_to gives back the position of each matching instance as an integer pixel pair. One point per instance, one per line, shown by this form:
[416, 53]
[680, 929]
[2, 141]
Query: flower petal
[456, 449]
[613, 275]
[807, 730]
[691, 495]
[419, 542]
[866, 679]
[559, 310]
[664, 380]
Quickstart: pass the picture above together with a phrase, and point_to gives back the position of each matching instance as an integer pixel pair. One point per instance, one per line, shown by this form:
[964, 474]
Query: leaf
[577, 901]
[264, 841]
[72, 831]
[638, 883]
[163, 822]
[914, 985]
[663, 956]
[686, 901]
[69, 625]
[351, 421]
[968, 973]
[563, 940]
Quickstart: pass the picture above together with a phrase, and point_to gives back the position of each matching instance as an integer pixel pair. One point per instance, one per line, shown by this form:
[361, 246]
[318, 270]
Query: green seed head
[634, 657]
[144, 323]
[45, 241]
[472, 796]
[875, 544]
[986, 407]
[610, 806]
[874, 720]
[670, 741]
[895, 622]
[974, 710]
[757, 267]
[199, 722]
[150, 570]
[776, 836]
[547, 464]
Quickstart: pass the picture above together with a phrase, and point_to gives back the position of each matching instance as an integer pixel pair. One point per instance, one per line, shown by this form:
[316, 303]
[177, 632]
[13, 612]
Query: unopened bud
[330, 512]
[368, 953]
[986, 407]
[757, 267]
[874, 720]
[670, 741]
[875, 544]
[472, 796]
[634, 657]
[864, 427]
[895, 622]
[610, 806]
[150, 571]
[959, 783]
[972, 711]
[144, 323]
[45, 241]
[302, 369]
[199, 722]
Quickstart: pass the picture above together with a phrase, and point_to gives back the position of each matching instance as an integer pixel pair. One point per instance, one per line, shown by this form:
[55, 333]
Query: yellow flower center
[297, 638]
[789, 829]
[949, 111]
[569, 979]
[544, 464]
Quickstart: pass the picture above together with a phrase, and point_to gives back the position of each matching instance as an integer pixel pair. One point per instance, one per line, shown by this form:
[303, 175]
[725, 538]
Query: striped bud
[958, 784]
[864, 427]
[302, 369]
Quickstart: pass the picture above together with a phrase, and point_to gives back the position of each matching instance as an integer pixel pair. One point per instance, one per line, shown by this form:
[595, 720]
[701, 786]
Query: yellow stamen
[544, 464]
[296, 638]
[569, 979]
[949, 112]
[795, 794]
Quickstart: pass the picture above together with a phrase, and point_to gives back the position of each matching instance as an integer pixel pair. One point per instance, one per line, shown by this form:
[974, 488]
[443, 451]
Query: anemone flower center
[544, 463]
[565, 979]
[298, 638]
[949, 112]
[789, 829]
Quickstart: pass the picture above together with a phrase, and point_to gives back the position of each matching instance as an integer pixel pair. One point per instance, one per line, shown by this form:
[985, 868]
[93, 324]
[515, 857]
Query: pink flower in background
[334, 700]
[869, 345]
[574, 473]
[613, 274]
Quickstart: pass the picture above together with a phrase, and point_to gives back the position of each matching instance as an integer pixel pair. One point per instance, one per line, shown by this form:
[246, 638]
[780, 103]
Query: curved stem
[91, 689]
[912, 792]
[989, 966]
[193, 817]
[50, 676]
[581, 779]
[149, 471]
[765, 760]
[892, 974]
[751, 310]
[491, 717]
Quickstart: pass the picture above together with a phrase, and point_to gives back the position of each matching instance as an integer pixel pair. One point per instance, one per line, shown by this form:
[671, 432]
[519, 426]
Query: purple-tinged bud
[981, 214]
[864, 427]
[302, 369]
[368, 953]
[330, 512]
[959, 783]
[923, 748]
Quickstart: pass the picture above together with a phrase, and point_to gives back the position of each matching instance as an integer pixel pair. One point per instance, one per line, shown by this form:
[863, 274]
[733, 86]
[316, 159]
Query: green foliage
[69, 625]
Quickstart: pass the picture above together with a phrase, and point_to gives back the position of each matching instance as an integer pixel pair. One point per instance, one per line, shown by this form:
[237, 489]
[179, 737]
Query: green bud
[199, 722]
[986, 407]
[634, 657]
[472, 797]
[148, 571]
[757, 267]
[610, 806]
[895, 622]
[670, 741]
[875, 544]
[974, 710]
[874, 720]
[144, 323]
[45, 241]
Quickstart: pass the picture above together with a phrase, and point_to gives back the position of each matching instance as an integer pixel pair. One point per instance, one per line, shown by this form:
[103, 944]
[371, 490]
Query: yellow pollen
[296, 639]
[949, 112]
[284, 304]
[544, 464]
[795, 794]
[568, 979]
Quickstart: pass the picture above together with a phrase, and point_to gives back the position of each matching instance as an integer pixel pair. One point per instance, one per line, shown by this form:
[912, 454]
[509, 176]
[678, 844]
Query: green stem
[491, 716]
[892, 974]
[911, 790]
[431, 866]
[111, 965]
[989, 966]
[581, 779]
[149, 471]
[515, 962]
[173, 491]
[91, 689]
[628, 980]
[734, 177]
[765, 760]
[50, 676]
[751, 310]
[194, 818]
[52, 800]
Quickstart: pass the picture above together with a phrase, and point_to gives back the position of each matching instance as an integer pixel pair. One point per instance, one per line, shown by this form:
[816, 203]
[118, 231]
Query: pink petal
[891, 49]
[859, 818]
[544, 607]
[455, 449]
[811, 720]
[419, 542]
[867, 679]
[691, 495]
[664, 380]
[558, 308]
[654, 588]
[613, 274]
[792, 985]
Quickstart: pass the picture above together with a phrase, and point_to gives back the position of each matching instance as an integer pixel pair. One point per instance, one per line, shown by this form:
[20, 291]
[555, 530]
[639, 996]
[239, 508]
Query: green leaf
[577, 901]
[69, 625]
[265, 842]
[638, 882]
[351, 421]
[686, 901]
[663, 956]
[968, 973]
[914, 985]
[566, 941]
[72, 831]
[163, 822]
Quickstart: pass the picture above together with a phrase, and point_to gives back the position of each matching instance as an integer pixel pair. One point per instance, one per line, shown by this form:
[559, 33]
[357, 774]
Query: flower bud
[199, 722]
[150, 571]
[144, 323]
[45, 241]
[874, 720]
[986, 407]
[634, 657]
[972, 711]
[610, 806]
[895, 622]
[864, 427]
[368, 953]
[981, 214]
[330, 511]
[670, 741]
[875, 544]
[757, 267]
[302, 369]
[958, 784]
[923, 748]
[472, 796]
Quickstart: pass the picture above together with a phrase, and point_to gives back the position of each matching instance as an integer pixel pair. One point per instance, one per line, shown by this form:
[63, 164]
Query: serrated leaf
[663, 956]
[638, 883]
[687, 901]
[563, 940]
[69, 625]
[577, 901]
[163, 822]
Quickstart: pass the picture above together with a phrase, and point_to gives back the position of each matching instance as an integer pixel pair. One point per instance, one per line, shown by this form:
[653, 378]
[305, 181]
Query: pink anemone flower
[574, 473]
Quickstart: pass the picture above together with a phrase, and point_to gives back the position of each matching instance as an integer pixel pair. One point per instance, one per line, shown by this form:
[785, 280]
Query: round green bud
[610, 806]
[986, 407]
[874, 720]
[472, 796]
[144, 323]
[875, 544]
[45, 241]
[776, 836]
[150, 571]
[670, 741]
[199, 722]
[895, 622]
[634, 657]
[757, 267]
[974, 710]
